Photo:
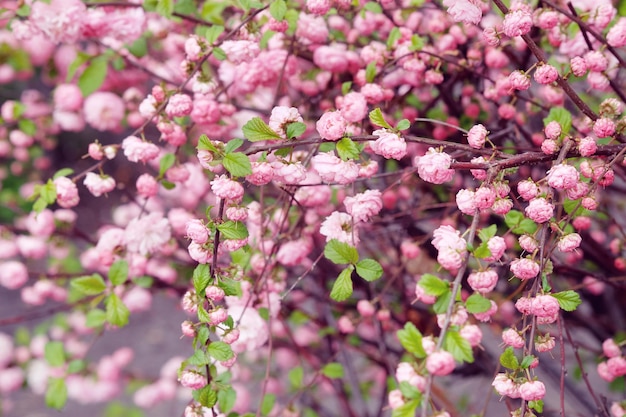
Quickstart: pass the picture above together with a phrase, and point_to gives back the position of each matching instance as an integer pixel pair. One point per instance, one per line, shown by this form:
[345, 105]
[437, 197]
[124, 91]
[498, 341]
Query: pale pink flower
[148, 107]
[511, 337]
[192, 379]
[240, 50]
[545, 343]
[579, 66]
[549, 146]
[318, 7]
[199, 253]
[363, 206]
[395, 399]
[40, 224]
[483, 281]
[465, 201]
[452, 248]
[476, 136]
[225, 188]
[104, 110]
[553, 130]
[289, 173]
[179, 105]
[434, 167]
[545, 74]
[405, 372]
[13, 274]
[617, 409]
[440, 363]
[604, 127]
[532, 390]
[562, 177]
[253, 330]
[197, 231]
[340, 226]
[353, 107]
[505, 386]
[331, 58]
[388, 145]
[484, 197]
[137, 150]
[517, 23]
[544, 306]
[68, 97]
[281, 117]
[99, 184]
[611, 349]
[345, 325]
[365, 308]
[467, 11]
[472, 334]
[524, 268]
[497, 246]
[294, 252]
[569, 242]
[312, 29]
[262, 173]
[617, 365]
[147, 186]
[67, 192]
[617, 35]
[539, 210]
[528, 189]
[331, 125]
[147, 234]
[61, 21]
[528, 243]
[11, 379]
[587, 146]
[486, 316]
[193, 50]
[604, 372]
[332, 169]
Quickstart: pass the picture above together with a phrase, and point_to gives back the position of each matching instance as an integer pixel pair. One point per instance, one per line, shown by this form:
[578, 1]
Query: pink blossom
[147, 186]
[340, 226]
[137, 150]
[491, 37]
[517, 23]
[511, 337]
[544, 343]
[395, 399]
[104, 110]
[192, 379]
[11, 379]
[225, 188]
[289, 173]
[549, 146]
[197, 231]
[617, 409]
[472, 334]
[311, 29]
[476, 136]
[332, 169]
[388, 145]
[547, 19]
[331, 58]
[60, 21]
[240, 50]
[562, 177]
[467, 11]
[617, 34]
[199, 253]
[451, 246]
[616, 365]
[33, 247]
[553, 130]
[544, 306]
[318, 7]
[68, 97]
[365, 308]
[262, 173]
[40, 224]
[524, 268]
[13, 274]
[405, 372]
[545, 74]
[604, 127]
[331, 125]
[193, 49]
[214, 293]
[569, 242]
[579, 66]
[146, 235]
[611, 349]
[587, 146]
[528, 243]
[253, 330]
[532, 390]
[486, 316]
[496, 246]
[465, 201]
[440, 363]
[179, 105]
[483, 281]
[505, 386]
[294, 252]
[434, 167]
[364, 205]
[281, 117]
[539, 210]
[353, 107]
[484, 197]
[99, 184]
[67, 192]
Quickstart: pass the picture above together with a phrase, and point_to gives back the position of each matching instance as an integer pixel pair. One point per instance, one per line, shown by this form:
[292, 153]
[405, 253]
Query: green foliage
[226, 399]
[393, 37]
[206, 396]
[568, 300]
[233, 230]
[458, 346]
[95, 318]
[220, 351]
[377, 118]
[92, 78]
[268, 403]
[118, 272]
[256, 130]
[201, 278]
[370, 72]
[562, 116]
[369, 269]
[333, 370]
[406, 410]
[56, 393]
[348, 149]
[238, 164]
[433, 285]
[476, 303]
[518, 224]
[295, 129]
[342, 288]
[116, 312]
[54, 353]
[340, 252]
[89, 285]
[296, 375]
[278, 9]
[508, 359]
[411, 339]
[166, 162]
[403, 124]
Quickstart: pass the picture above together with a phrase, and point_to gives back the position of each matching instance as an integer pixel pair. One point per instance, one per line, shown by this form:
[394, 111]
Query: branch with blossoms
[354, 204]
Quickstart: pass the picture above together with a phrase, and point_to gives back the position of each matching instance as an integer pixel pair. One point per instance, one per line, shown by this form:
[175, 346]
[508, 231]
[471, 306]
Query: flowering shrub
[358, 205]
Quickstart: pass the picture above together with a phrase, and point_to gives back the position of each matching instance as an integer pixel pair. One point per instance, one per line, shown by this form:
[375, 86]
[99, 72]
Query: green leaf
[81, 58]
[377, 118]
[201, 278]
[56, 393]
[417, 43]
[348, 149]
[238, 164]
[213, 33]
[536, 405]
[487, 233]
[233, 145]
[411, 339]
[219, 53]
[27, 126]
[165, 7]
[64, 172]
[476, 303]
[370, 72]
[345, 87]
[333, 370]
[166, 163]
[278, 9]
[139, 48]
[265, 39]
[116, 312]
[369, 269]
[230, 286]
[54, 354]
[220, 351]
[406, 410]
[199, 358]
[95, 318]
[373, 7]
[92, 78]
[441, 305]
[527, 361]
[513, 218]
[226, 399]
[206, 396]
[203, 315]
[526, 226]
[205, 144]
[433, 285]
[458, 347]
[409, 391]
[48, 192]
[340, 253]
[168, 185]
[268, 403]
[342, 288]
[296, 375]
[562, 117]
[233, 230]
[393, 37]
[568, 300]
[482, 251]
[508, 359]
[403, 124]
[257, 130]
[89, 285]
[295, 129]
[76, 366]
[118, 272]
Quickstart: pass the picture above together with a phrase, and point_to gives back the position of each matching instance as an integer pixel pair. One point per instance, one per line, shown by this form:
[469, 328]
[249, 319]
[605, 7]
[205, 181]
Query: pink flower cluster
[452, 248]
[434, 167]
